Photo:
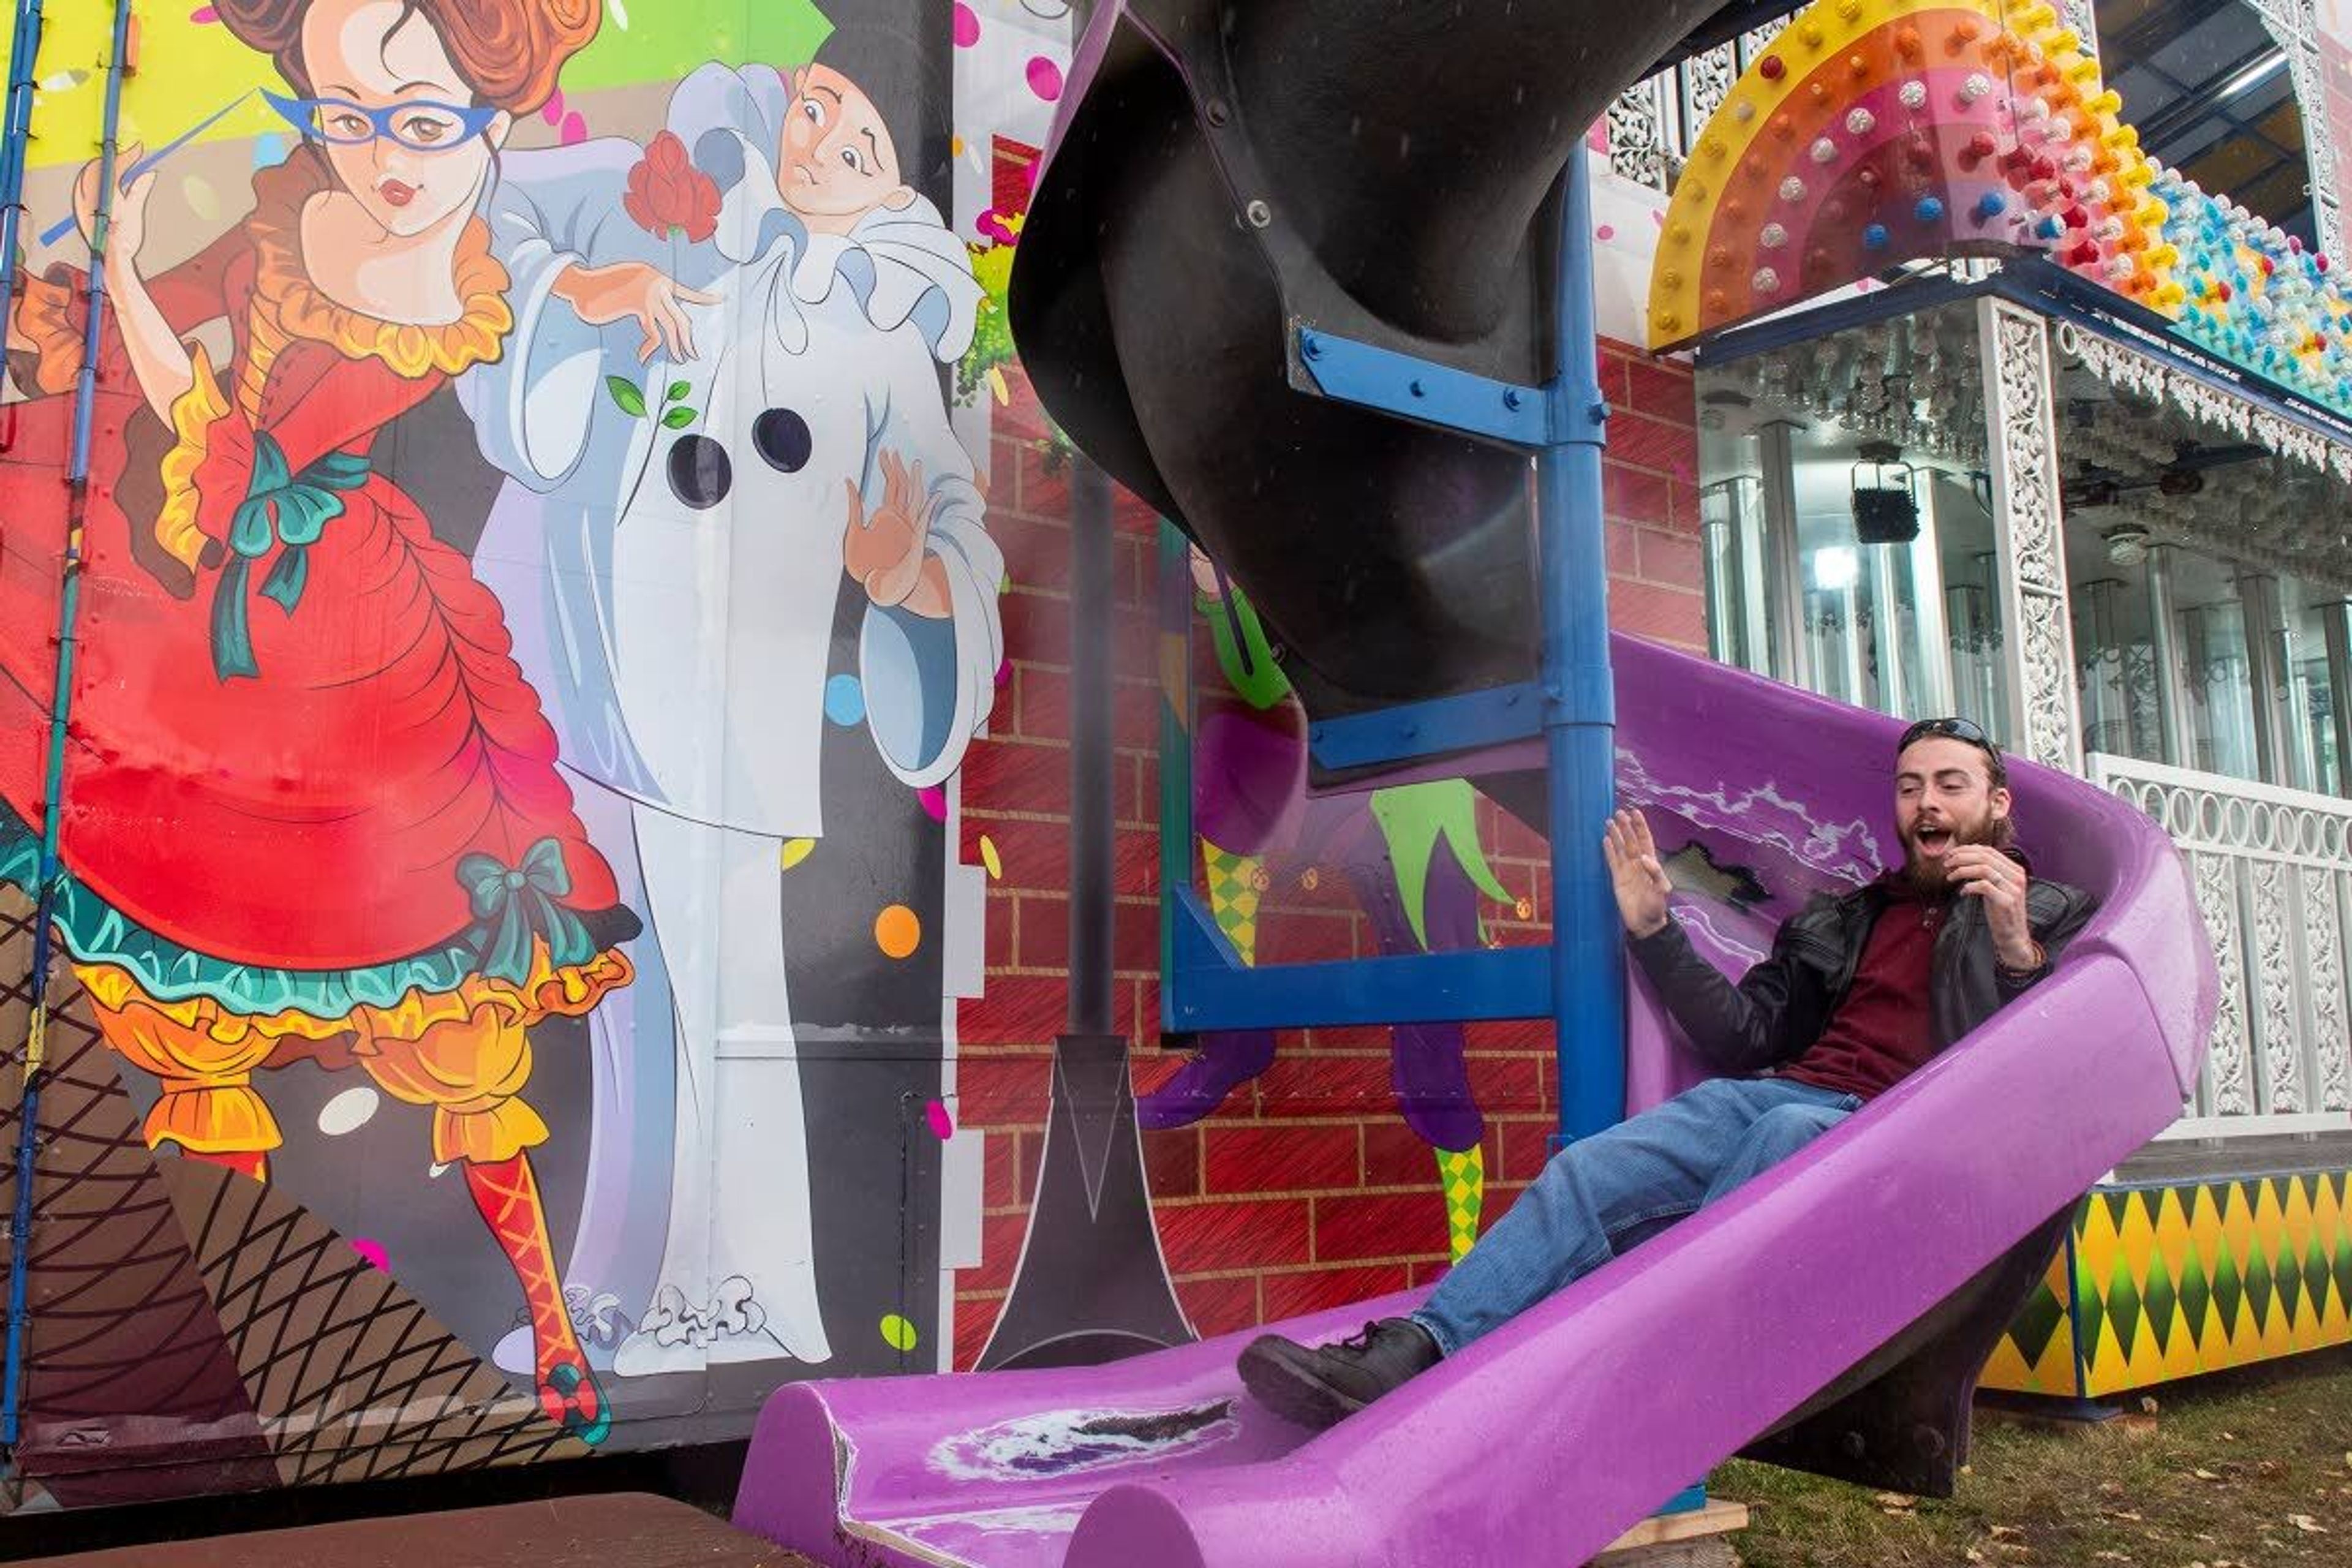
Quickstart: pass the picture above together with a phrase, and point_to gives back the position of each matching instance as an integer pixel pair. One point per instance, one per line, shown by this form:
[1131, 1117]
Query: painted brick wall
[1306, 1191]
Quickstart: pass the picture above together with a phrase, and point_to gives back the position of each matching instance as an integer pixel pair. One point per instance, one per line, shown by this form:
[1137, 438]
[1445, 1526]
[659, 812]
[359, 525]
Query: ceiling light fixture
[2254, 76]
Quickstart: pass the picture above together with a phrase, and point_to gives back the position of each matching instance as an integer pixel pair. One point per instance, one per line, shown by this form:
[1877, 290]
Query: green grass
[2247, 1469]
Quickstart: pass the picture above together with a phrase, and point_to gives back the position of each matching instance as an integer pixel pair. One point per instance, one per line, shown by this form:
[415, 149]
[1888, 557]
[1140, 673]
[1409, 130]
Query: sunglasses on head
[1965, 730]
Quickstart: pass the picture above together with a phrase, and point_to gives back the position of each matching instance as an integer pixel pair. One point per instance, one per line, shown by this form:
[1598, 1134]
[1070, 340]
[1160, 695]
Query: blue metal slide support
[1579, 982]
[1588, 964]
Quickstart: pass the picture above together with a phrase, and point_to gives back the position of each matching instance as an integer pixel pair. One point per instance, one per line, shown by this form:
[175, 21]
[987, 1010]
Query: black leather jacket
[1781, 1005]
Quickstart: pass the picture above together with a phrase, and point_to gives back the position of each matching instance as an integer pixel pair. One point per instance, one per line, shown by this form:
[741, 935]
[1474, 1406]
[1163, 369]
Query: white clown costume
[673, 578]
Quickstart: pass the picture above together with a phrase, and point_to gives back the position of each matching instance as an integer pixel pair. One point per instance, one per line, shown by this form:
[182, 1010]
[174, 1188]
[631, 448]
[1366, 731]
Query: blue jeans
[1605, 1194]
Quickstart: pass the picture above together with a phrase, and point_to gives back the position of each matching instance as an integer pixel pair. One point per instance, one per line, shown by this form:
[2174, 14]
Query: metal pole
[1175, 597]
[1963, 645]
[1785, 562]
[1993, 711]
[2094, 637]
[1727, 631]
[1845, 627]
[1079, 1295]
[16, 142]
[1896, 681]
[1588, 960]
[2338, 619]
[60, 711]
[2266, 673]
[1091, 591]
[1932, 691]
[2197, 656]
[1748, 539]
[2174, 739]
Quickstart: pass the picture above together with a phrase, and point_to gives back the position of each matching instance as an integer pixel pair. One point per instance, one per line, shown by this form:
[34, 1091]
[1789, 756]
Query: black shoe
[1320, 1387]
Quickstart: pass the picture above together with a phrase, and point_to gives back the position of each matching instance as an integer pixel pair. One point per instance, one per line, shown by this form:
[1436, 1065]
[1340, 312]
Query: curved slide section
[1543, 1442]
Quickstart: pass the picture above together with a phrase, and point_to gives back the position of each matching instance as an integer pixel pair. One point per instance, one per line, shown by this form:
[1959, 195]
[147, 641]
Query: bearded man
[1860, 989]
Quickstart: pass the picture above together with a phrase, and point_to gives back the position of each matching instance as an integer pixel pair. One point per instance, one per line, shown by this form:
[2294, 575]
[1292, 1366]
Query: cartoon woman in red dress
[312, 809]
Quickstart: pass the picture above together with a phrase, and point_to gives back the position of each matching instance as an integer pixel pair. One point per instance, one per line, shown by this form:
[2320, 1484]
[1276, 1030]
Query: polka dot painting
[845, 700]
[898, 932]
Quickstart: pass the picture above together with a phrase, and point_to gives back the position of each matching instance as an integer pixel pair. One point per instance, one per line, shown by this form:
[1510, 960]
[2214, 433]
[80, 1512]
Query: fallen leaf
[2112, 1556]
[2205, 1474]
[2229, 1436]
[2306, 1524]
[1975, 1556]
[2147, 1404]
[2003, 1532]
[1895, 1500]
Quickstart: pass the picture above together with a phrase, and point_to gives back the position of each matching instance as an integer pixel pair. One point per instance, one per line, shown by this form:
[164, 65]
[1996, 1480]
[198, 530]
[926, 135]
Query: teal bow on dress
[516, 903]
[281, 508]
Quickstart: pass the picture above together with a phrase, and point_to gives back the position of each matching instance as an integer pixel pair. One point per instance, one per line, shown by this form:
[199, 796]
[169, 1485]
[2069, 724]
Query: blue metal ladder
[1577, 979]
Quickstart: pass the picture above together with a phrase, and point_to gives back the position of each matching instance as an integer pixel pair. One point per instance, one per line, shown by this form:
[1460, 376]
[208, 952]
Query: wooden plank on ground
[635, 1529]
[1694, 1537]
[1709, 1552]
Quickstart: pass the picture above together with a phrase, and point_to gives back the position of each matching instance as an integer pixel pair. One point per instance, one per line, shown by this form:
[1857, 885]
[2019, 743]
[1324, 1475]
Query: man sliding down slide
[1861, 990]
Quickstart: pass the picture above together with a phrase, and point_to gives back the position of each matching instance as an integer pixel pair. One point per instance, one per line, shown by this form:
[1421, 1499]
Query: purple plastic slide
[1545, 1441]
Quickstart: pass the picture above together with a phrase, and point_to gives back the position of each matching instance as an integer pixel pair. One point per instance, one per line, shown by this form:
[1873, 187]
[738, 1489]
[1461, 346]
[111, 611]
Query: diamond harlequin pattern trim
[2166, 1282]
[1464, 1177]
[1236, 884]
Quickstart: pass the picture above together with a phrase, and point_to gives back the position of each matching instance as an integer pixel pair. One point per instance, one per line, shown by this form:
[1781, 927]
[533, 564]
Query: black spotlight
[1885, 510]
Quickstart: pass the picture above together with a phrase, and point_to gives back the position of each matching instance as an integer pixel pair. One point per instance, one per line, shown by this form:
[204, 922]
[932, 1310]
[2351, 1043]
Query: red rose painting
[668, 196]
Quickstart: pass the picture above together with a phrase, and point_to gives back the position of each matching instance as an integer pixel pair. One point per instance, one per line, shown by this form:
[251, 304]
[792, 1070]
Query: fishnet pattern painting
[126, 1368]
[352, 1379]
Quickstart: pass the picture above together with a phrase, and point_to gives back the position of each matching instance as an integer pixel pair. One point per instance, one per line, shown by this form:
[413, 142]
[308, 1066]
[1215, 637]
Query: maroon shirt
[1882, 1032]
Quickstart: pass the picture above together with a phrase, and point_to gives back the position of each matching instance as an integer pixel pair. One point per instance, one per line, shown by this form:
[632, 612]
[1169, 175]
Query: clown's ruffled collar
[900, 266]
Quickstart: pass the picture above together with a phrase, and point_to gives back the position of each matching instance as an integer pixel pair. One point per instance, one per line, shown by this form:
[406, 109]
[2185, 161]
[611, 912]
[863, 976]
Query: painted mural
[535, 600]
[562, 861]
[1409, 858]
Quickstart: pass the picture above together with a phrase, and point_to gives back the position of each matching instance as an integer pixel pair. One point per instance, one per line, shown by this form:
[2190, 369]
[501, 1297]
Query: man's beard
[1926, 878]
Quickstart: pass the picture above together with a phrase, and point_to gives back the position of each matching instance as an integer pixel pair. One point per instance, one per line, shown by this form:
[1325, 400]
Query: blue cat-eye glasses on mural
[419, 125]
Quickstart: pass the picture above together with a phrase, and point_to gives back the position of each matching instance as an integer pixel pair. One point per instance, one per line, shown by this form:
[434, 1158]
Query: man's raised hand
[1634, 871]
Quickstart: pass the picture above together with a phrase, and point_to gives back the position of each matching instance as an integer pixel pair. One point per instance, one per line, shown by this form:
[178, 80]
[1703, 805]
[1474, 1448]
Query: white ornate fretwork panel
[2273, 875]
[2022, 438]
